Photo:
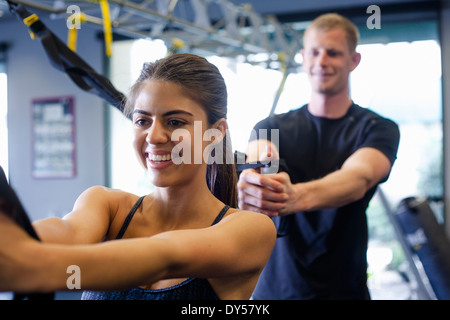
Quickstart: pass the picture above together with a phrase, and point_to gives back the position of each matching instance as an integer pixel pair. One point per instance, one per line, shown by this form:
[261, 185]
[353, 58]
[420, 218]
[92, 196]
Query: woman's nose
[156, 134]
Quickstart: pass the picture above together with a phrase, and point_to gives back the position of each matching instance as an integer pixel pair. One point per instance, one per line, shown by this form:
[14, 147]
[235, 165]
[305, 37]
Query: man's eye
[333, 53]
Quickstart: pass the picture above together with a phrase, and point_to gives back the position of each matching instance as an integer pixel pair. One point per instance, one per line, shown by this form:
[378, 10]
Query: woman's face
[168, 130]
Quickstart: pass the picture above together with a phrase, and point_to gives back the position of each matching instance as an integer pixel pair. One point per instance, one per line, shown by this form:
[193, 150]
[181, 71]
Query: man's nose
[322, 58]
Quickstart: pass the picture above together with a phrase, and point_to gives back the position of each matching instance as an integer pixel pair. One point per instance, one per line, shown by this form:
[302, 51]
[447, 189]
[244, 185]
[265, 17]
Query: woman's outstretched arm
[240, 244]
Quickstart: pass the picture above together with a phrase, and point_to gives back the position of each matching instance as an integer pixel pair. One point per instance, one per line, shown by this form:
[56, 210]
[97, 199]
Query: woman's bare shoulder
[252, 221]
[100, 194]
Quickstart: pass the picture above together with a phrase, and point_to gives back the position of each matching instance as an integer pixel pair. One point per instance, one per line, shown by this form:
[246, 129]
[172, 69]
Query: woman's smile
[158, 160]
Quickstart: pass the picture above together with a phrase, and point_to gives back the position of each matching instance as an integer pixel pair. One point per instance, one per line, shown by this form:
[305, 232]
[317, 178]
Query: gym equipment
[65, 60]
[207, 27]
[426, 239]
[425, 245]
[15, 210]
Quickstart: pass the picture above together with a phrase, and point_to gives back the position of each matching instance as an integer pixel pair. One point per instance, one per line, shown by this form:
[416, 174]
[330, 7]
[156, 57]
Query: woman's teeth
[158, 157]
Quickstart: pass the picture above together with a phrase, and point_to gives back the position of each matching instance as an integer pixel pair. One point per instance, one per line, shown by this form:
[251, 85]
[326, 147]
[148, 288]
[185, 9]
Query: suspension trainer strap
[65, 60]
[12, 206]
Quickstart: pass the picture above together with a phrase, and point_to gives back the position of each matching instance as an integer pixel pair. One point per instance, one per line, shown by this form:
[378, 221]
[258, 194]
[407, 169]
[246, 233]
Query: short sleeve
[384, 135]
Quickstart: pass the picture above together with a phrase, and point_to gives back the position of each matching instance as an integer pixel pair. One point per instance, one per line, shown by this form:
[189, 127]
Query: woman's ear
[221, 125]
[217, 132]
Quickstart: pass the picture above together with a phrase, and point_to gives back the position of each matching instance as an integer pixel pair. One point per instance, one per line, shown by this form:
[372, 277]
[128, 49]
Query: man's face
[328, 61]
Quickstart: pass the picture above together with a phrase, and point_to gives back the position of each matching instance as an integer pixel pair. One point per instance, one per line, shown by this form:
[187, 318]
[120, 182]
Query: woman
[180, 242]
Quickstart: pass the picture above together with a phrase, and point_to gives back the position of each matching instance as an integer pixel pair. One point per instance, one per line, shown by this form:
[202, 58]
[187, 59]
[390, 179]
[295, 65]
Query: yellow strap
[107, 29]
[32, 35]
[72, 39]
[30, 19]
[177, 44]
[72, 34]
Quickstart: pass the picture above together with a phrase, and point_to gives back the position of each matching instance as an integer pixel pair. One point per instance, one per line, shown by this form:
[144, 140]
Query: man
[336, 153]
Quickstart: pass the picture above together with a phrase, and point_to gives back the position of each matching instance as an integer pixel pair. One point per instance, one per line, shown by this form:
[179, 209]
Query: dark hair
[204, 84]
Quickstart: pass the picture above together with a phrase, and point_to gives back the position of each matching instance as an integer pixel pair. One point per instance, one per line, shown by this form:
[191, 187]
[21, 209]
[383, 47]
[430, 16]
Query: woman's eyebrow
[168, 113]
[141, 112]
[172, 112]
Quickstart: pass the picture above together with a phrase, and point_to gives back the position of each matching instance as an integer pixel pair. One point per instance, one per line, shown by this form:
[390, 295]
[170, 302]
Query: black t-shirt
[324, 254]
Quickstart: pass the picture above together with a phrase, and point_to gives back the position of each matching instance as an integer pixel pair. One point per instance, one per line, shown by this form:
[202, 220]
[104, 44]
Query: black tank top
[189, 289]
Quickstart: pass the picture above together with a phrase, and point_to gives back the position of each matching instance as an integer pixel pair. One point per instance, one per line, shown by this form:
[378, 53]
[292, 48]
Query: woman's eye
[175, 123]
[141, 122]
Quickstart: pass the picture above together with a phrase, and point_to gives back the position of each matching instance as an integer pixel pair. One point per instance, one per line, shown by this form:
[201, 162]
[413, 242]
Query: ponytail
[222, 178]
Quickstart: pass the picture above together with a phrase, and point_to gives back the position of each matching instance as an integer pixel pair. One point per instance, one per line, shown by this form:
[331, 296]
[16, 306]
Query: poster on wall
[53, 141]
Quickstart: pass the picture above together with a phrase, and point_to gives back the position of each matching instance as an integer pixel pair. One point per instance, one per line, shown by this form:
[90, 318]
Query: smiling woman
[190, 91]
[185, 240]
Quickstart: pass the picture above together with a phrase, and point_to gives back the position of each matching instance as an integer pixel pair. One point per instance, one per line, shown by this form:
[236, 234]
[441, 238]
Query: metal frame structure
[206, 27]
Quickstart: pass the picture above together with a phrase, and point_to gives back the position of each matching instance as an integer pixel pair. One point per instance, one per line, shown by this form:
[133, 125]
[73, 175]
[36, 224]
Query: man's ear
[356, 59]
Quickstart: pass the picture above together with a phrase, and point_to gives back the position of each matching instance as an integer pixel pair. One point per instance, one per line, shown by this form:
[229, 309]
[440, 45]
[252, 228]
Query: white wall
[30, 76]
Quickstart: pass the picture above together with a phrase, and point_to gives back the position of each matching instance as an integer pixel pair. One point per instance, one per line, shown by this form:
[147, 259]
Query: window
[3, 132]
[3, 118]
[402, 81]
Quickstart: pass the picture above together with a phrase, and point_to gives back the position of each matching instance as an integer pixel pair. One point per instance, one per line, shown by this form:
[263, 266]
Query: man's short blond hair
[331, 21]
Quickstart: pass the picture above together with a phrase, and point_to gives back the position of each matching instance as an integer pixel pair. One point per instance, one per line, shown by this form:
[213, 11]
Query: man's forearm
[360, 172]
[331, 191]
